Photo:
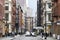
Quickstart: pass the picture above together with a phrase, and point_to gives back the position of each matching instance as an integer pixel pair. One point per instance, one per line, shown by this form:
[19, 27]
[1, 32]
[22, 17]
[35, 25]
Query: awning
[58, 22]
[38, 28]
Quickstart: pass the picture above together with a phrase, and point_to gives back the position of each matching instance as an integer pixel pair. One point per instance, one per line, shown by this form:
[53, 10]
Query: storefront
[48, 28]
[56, 28]
[2, 28]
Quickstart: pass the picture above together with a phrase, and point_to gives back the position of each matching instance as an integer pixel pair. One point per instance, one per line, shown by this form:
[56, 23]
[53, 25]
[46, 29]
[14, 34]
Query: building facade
[48, 15]
[56, 16]
[13, 15]
[39, 12]
[29, 22]
[28, 19]
[2, 23]
[20, 14]
[21, 21]
[8, 15]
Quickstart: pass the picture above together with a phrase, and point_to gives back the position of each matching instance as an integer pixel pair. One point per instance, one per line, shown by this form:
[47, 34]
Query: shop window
[7, 16]
[6, 7]
[7, 25]
[49, 5]
[49, 17]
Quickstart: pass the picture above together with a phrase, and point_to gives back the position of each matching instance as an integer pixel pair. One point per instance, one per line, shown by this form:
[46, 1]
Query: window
[7, 16]
[17, 18]
[49, 17]
[7, 3]
[49, 5]
[6, 8]
[7, 25]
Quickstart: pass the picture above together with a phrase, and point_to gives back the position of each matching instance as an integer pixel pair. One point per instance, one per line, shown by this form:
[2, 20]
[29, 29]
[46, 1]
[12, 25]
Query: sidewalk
[9, 37]
[51, 38]
[6, 38]
[23, 36]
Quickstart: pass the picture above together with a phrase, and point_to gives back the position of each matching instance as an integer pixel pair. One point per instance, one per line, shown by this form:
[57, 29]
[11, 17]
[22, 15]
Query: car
[27, 33]
[33, 34]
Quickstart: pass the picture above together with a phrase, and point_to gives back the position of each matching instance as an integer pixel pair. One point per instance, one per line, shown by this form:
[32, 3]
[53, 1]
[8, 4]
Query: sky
[30, 3]
[33, 5]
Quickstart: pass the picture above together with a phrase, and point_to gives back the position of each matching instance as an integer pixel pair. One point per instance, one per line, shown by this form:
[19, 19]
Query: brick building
[8, 11]
[2, 24]
[29, 22]
[13, 14]
[56, 16]
[20, 20]
[1, 8]
[10, 15]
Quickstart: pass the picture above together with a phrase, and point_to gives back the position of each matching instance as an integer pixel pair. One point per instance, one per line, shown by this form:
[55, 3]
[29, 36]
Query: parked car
[33, 33]
[27, 33]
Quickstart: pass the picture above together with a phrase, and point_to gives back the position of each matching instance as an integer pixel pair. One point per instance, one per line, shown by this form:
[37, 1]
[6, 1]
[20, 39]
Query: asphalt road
[23, 37]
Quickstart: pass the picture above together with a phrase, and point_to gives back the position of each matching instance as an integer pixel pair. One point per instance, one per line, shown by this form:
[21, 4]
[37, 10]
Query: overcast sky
[33, 5]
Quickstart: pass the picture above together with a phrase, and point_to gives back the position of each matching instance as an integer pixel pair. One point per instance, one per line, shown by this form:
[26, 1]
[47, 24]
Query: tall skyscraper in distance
[39, 12]
[21, 2]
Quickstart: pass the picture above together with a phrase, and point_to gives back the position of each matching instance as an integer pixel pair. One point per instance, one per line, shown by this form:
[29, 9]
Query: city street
[23, 37]
[29, 19]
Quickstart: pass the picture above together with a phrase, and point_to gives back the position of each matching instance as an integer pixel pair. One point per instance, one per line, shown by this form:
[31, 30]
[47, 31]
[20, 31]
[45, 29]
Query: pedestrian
[42, 34]
[6, 31]
[58, 37]
[43, 38]
[46, 35]
[50, 34]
